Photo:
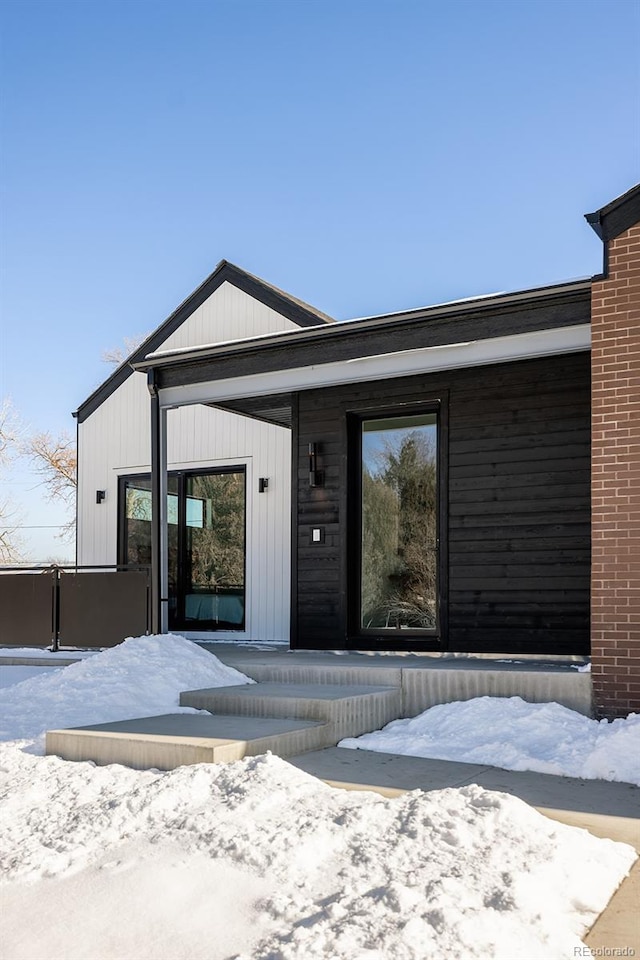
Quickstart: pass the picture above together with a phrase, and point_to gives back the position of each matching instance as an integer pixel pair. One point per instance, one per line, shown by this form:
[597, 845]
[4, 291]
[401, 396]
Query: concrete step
[351, 709]
[308, 669]
[426, 681]
[171, 740]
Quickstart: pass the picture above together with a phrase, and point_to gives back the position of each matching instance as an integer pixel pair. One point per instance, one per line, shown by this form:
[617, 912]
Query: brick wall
[615, 577]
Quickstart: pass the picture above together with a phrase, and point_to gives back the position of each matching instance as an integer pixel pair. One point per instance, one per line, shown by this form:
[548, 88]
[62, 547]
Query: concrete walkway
[605, 809]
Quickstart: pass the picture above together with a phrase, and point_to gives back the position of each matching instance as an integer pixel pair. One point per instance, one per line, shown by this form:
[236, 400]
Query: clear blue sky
[366, 156]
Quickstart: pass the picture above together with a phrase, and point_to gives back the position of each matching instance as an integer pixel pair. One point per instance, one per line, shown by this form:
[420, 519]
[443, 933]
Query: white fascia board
[453, 356]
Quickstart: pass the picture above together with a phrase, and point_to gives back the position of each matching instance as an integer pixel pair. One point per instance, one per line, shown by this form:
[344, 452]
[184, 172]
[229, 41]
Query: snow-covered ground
[141, 677]
[43, 653]
[256, 858]
[507, 732]
[10, 675]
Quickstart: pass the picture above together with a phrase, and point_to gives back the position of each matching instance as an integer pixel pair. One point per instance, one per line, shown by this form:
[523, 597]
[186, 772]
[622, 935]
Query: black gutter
[77, 483]
[156, 538]
[616, 217]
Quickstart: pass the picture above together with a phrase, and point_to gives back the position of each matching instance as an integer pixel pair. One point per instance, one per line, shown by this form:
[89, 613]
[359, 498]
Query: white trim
[451, 356]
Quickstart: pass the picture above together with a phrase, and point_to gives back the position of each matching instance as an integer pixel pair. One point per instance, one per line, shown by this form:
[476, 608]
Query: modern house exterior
[463, 478]
[212, 456]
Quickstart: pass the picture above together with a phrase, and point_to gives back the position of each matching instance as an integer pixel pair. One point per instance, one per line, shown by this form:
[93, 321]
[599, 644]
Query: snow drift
[141, 677]
[507, 732]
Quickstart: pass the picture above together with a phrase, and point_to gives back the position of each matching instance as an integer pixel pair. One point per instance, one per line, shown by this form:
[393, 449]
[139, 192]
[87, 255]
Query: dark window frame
[395, 638]
[181, 476]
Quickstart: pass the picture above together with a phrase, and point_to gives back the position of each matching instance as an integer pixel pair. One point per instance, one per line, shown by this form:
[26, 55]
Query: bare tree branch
[117, 355]
[9, 431]
[10, 542]
[55, 460]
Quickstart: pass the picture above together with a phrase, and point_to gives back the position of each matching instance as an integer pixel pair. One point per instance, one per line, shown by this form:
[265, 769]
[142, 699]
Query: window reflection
[399, 523]
[206, 544]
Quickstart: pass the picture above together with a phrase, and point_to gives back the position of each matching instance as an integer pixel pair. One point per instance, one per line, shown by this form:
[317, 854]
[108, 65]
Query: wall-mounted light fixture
[315, 475]
[100, 495]
[263, 483]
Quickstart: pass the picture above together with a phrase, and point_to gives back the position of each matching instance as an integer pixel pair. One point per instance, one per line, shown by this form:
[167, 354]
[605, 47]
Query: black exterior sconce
[263, 483]
[100, 495]
[315, 475]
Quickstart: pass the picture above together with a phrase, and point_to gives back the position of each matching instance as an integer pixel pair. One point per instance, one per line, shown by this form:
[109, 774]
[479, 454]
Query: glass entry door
[206, 543]
[399, 524]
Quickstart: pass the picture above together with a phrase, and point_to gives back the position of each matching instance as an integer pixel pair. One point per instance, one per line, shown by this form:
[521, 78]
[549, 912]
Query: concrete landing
[424, 679]
[347, 707]
[171, 740]
[605, 809]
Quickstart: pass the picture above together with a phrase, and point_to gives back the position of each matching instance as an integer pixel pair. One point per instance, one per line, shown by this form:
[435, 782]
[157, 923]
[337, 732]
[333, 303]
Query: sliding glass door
[206, 537]
[399, 524]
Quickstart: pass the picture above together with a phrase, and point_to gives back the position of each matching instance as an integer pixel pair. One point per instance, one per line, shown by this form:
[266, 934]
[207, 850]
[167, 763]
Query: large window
[206, 539]
[399, 524]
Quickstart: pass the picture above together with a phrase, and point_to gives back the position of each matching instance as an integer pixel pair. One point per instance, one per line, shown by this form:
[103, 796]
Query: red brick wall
[615, 577]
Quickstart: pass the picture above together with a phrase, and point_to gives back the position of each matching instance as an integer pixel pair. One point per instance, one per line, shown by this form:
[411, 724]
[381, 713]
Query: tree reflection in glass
[399, 523]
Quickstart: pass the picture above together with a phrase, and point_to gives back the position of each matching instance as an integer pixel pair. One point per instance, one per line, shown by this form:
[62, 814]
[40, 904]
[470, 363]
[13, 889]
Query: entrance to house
[397, 492]
[206, 513]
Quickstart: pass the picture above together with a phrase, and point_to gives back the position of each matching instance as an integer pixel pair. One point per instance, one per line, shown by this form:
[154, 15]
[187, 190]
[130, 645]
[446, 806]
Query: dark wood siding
[518, 529]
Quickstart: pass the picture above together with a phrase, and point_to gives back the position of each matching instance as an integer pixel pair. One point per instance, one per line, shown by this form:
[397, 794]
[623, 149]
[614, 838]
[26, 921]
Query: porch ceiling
[273, 409]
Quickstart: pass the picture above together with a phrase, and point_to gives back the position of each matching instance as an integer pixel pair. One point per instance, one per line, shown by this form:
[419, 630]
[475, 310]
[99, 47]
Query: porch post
[159, 539]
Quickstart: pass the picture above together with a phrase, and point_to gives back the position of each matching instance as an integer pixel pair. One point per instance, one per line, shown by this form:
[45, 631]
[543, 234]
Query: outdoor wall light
[100, 495]
[315, 475]
[263, 483]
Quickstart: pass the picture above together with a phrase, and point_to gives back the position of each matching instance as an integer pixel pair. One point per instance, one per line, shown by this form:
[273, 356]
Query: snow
[10, 674]
[142, 677]
[515, 735]
[43, 653]
[292, 867]
[258, 860]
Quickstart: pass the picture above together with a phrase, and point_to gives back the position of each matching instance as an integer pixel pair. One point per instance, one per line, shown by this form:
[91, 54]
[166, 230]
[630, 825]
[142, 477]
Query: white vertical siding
[115, 440]
[227, 314]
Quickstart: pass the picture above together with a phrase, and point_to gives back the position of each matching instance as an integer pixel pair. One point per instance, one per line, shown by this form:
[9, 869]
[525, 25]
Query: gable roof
[283, 303]
[616, 217]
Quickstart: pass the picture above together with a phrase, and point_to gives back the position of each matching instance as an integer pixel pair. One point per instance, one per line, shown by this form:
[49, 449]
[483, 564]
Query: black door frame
[182, 476]
[351, 530]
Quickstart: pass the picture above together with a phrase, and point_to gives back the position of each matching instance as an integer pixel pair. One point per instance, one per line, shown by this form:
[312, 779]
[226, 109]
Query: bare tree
[117, 355]
[9, 431]
[55, 460]
[10, 544]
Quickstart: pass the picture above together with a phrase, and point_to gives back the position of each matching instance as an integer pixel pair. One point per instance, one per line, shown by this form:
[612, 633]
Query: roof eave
[352, 328]
[617, 216]
[290, 307]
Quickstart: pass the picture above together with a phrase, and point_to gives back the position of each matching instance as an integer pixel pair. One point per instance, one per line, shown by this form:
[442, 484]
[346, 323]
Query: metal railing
[95, 605]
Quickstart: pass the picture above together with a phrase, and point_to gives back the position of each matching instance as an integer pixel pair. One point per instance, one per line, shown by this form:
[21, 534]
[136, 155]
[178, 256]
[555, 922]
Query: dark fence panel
[101, 609]
[72, 607]
[27, 608]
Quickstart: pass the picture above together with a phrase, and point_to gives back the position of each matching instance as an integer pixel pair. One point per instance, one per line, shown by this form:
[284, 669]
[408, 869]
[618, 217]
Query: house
[213, 457]
[464, 477]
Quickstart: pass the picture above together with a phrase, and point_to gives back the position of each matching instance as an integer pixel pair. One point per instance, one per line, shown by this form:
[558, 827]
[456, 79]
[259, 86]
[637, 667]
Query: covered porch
[498, 390]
